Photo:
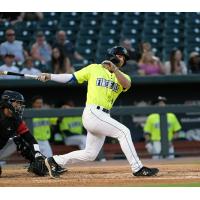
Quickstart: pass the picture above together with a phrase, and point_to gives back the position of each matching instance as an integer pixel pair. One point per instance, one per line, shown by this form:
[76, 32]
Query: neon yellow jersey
[152, 126]
[41, 128]
[53, 120]
[103, 86]
[72, 124]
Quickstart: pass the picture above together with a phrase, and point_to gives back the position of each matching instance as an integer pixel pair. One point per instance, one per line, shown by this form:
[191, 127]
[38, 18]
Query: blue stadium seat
[71, 16]
[192, 32]
[111, 23]
[173, 32]
[91, 15]
[174, 23]
[175, 15]
[133, 16]
[149, 16]
[5, 25]
[90, 23]
[48, 25]
[2, 36]
[109, 40]
[52, 15]
[50, 35]
[92, 32]
[112, 16]
[69, 24]
[86, 41]
[87, 51]
[27, 25]
[107, 31]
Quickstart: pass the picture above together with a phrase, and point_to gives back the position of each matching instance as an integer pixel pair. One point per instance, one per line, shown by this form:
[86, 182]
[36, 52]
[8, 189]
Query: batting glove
[44, 77]
[109, 66]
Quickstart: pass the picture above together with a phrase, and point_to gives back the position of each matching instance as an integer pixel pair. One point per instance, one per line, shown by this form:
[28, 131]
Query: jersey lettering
[40, 123]
[108, 84]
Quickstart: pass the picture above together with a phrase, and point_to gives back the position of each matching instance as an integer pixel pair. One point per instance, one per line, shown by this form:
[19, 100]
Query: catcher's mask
[117, 50]
[15, 100]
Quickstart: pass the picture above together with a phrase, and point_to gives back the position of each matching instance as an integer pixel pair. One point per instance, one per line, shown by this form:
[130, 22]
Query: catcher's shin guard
[0, 171]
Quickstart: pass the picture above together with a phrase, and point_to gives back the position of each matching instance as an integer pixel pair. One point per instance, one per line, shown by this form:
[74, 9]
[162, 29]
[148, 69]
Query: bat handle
[3, 72]
[31, 76]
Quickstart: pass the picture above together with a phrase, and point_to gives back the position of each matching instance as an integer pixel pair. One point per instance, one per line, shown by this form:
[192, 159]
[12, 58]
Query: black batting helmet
[117, 50]
[9, 97]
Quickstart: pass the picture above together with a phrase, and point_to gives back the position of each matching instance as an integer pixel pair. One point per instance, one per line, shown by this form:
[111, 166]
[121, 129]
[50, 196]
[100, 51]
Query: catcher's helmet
[8, 97]
[117, 50]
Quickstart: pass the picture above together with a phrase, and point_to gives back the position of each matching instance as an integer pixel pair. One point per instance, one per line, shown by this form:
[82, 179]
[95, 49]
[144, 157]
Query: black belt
[103, 109]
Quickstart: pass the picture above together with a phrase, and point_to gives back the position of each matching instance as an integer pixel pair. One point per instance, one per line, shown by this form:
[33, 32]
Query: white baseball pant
[99, 125]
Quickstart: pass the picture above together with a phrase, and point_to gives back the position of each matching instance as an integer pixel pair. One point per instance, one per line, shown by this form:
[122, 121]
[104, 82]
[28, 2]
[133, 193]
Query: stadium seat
[111, 23]
[107, 31]
[175, 15]
[90, 23]
[112, 16]
[70, 31]
[69, 24]
[24, 35]
[173, 32]
[131, 31]
[92, 15]
[133, 16]
[5, 25]
[92, 33]
[86, 41]
[2, 36]
[48, 25]
[26, 25]
[52, 15]
[71, 16]
[109, 40]
[87, 51]
[150, 16]
[192, 32]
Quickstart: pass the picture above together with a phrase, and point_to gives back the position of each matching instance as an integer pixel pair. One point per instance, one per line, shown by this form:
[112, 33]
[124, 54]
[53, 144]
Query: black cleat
[145, 171]
[51, 166]
[60, 170]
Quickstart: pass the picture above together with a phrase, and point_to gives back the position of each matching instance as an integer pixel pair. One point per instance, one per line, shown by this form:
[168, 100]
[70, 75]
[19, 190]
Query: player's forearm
[61, 78]
[125, 83]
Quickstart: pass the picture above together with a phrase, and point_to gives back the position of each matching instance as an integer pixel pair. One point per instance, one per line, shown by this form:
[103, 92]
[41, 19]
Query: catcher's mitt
[38, 166]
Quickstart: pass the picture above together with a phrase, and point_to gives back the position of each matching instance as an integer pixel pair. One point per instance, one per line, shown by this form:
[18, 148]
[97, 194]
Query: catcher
[14, 134]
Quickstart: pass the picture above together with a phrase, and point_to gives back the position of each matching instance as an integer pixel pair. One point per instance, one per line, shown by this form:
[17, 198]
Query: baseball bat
[19, 74]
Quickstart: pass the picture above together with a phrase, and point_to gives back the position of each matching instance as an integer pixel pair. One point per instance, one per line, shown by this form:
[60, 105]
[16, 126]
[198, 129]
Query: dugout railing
[120, 111]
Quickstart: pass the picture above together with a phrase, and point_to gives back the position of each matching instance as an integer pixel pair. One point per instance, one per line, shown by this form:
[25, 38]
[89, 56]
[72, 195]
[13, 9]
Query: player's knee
[91, 156]
[124, 132]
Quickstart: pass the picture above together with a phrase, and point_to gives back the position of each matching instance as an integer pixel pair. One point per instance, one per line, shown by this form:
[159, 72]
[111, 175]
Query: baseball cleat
[145, 171]
[51, 166]
[60, 170]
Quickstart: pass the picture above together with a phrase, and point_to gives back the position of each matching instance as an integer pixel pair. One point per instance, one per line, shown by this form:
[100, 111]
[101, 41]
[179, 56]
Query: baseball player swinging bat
[18, 74]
